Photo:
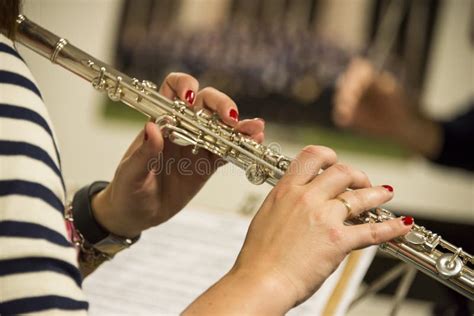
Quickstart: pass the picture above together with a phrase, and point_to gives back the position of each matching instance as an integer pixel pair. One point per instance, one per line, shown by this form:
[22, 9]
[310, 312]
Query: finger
[338, 178]
[180, 85]
[308, 163]
[351, 88]
[356, 80]
[359, 201]
[343, 116]
[251, 127]
[259, 138]
[145, 157]
[220, 103]
[361, 236]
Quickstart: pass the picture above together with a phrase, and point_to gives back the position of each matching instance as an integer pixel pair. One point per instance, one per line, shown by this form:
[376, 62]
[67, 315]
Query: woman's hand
[374, 103]
[370, 102]
[157, 178]
[298, 237]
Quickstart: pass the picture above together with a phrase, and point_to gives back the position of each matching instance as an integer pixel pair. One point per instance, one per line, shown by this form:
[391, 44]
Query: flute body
[203, 130]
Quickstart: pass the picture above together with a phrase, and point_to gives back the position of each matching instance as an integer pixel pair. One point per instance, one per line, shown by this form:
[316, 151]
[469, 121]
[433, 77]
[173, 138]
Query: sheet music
[173, 263]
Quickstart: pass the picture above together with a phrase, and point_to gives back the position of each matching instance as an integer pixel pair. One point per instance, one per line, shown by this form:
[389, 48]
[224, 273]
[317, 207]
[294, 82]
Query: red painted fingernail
[388, 187]
[145, 136]
[407, 220]
[234, 115]
[189, 96]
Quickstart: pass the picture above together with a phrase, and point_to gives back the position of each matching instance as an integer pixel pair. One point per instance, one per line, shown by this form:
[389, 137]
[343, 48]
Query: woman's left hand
[157, 178]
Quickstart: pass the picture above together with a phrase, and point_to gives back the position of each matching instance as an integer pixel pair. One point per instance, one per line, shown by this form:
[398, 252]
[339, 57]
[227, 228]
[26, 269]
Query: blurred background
[279, 60]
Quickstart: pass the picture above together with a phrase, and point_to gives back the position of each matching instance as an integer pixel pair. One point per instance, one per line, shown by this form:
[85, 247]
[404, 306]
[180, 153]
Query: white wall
[450, 81]
[91, 147]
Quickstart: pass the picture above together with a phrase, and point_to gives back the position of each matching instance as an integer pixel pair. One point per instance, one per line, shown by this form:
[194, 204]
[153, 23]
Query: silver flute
[202, 129]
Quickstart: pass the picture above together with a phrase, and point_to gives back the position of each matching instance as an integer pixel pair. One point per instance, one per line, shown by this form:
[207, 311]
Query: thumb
[146, 157]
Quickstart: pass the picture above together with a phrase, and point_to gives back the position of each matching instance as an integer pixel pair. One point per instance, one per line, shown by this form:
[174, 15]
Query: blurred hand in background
[374, 103]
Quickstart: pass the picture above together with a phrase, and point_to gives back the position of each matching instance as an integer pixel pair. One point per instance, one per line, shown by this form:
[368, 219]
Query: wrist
[88, 257]
[264, 292]
[107, 217]
[95, 233]
[243, 292]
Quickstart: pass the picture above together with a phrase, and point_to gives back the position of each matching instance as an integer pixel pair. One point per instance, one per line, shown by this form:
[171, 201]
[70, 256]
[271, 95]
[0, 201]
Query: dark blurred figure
[375, 103]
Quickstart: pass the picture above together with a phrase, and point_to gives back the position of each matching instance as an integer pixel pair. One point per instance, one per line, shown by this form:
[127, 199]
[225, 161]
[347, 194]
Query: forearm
[243, 293]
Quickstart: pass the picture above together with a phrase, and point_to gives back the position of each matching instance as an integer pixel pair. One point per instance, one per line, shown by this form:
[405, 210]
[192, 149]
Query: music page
[175, 262]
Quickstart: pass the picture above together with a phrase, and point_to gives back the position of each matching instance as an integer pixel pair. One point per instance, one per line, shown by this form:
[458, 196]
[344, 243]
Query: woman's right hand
[298, 237]
[375, 103]
[371, 102]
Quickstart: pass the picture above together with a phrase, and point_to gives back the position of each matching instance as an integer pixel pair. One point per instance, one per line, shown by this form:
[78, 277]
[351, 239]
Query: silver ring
[346, 204]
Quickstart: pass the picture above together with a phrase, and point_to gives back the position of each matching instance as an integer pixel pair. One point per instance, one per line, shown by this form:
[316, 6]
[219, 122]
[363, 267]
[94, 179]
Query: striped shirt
[38, 266]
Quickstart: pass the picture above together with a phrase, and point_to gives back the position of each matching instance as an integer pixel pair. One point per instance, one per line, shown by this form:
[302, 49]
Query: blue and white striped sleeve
[38, 266]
